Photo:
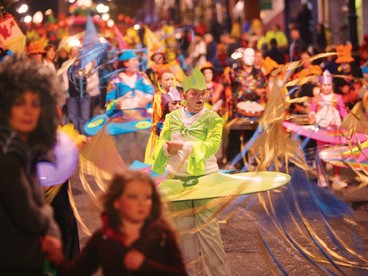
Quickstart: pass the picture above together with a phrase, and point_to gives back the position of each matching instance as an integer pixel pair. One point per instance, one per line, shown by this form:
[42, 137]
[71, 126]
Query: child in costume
[326, 110]
[134, 238]
[170, 101]
[166, 80]
[190, 138]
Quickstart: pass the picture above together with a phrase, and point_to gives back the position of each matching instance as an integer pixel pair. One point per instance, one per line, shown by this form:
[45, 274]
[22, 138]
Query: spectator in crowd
[49, 58]
[297, 45]
[321, 41]
[275, 53]
[35, 51]
[363, 92]
[329, 63]
[80, 85]
[62, 55]
[197, 52]
[280, 37]
[303, 20]
[211, 47]
[29, 233]
[134, 237]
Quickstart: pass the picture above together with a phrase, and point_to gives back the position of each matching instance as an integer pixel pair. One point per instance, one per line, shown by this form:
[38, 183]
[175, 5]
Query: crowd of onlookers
[239, 65]
[234, 73]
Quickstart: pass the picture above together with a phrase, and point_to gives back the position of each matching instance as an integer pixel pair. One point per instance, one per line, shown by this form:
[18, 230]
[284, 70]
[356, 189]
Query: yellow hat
[207, 65]
[344, 54]
[36, 47]
[157, 50]
[195, 81]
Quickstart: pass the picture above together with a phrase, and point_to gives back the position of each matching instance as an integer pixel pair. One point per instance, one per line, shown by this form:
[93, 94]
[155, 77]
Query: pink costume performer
[327, 110]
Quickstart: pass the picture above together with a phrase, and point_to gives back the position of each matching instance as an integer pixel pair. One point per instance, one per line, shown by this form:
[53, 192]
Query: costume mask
[248, 56]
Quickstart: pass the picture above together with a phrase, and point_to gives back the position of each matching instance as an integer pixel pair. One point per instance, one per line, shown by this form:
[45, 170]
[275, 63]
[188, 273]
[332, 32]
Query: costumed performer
[216, 97]
[129, 89]
[166, 80]
[190, 138]
[170, 101]
[243, 82]
[326, 110]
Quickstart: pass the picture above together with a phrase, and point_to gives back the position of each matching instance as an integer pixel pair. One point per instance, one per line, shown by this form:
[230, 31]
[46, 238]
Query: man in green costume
[190, 138]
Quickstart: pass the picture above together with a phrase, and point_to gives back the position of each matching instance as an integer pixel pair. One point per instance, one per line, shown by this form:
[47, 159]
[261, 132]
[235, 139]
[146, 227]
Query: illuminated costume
[244, 83]
[172, 96]
[330, 108]
[133, 91]
[201, 133]
[165, 83]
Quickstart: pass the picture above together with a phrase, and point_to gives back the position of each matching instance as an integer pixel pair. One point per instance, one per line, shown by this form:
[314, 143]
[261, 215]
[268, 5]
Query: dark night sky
[43, 5]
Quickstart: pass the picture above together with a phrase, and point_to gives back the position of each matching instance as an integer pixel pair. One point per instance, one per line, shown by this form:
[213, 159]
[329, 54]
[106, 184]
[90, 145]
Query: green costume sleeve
[206, 148]
[160, 159]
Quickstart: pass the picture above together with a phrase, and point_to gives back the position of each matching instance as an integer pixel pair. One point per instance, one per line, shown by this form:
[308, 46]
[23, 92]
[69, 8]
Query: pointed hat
[195, 81]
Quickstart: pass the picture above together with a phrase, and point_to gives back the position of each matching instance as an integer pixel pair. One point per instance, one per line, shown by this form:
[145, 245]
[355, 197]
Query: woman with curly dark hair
[28, 121]
[18, 76]
[134, 238]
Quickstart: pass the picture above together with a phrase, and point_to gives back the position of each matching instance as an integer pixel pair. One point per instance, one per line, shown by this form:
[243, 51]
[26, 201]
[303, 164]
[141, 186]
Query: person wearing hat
[216, 89]
[327, 111]
[190, 138]
[158, 59]
[35, 51]
[129, 89]
[165, 81]
[346, 84]
[170, 101]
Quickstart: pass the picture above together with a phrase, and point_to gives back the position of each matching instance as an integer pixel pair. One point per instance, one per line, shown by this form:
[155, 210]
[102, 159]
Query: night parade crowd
[195, 83]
